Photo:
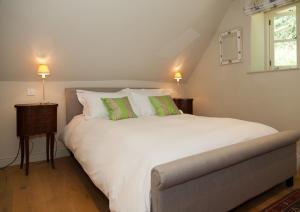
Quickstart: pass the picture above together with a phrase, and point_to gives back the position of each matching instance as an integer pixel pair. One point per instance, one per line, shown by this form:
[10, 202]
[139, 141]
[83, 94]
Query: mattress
[118, 156]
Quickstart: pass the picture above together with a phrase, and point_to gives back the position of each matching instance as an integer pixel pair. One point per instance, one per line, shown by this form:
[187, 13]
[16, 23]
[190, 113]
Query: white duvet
[118, 155]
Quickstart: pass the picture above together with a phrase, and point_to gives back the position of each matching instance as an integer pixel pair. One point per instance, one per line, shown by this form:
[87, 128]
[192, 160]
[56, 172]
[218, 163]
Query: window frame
[269, 37]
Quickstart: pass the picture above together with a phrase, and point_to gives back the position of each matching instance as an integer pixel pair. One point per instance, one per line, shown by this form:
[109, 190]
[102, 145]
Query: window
[276, 31]
[282, 37]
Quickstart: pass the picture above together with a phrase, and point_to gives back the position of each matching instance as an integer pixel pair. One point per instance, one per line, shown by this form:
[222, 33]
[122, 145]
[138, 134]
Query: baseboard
[38, 156]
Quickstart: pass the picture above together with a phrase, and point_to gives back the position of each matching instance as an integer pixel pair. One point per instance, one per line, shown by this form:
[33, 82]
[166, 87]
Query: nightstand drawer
[36, 119]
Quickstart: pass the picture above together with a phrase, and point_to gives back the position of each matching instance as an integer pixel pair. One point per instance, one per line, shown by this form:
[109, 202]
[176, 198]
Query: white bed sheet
[118, 156]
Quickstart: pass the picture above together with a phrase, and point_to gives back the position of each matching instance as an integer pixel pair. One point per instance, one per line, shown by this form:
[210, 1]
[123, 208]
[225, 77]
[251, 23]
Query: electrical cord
[17, 155]
[55, 140]
[14, 160]
[31, 149]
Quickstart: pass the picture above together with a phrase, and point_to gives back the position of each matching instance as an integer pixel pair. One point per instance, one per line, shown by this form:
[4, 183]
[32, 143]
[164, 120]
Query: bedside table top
[37, 105]
[183, 98]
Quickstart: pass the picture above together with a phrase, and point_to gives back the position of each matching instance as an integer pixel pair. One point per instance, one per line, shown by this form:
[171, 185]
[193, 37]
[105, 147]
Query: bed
[178, 163]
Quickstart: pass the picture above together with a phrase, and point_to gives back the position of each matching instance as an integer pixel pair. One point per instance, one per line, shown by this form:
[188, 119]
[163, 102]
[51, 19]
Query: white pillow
[150, 91]
[92, 103]
[139, 99]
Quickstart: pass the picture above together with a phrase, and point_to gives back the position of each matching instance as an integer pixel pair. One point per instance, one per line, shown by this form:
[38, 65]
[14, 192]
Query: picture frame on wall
[231, 46]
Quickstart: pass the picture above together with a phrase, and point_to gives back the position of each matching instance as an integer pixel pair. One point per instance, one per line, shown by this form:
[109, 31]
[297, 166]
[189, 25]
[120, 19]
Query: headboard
[73, 106]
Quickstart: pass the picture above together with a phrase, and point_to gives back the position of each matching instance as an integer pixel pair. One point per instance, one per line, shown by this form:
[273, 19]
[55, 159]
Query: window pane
[285, 53]
[285, 27]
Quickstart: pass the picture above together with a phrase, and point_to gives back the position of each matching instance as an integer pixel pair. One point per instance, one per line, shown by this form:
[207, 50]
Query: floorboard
[67, 188]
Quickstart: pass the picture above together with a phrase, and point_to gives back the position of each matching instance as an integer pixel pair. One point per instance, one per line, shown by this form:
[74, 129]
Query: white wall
[105, 39]
[92, 43]
[272, 98]
[15, 93]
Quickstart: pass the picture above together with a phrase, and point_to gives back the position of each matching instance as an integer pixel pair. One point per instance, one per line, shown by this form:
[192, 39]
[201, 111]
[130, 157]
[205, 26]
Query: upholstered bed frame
[218, 180]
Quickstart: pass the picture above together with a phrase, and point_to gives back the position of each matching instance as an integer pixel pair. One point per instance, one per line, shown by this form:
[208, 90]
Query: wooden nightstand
[184, 104]
[36, 119]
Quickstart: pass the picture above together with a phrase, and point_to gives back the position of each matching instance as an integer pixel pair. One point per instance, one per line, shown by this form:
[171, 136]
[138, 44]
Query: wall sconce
[43, 70]
[178, 76]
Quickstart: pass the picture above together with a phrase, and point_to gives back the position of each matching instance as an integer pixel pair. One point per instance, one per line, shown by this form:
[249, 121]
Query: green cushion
[118, 108]
[164, 105]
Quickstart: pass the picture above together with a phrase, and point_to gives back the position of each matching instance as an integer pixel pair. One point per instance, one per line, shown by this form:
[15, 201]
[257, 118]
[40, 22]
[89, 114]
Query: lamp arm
[43, 90]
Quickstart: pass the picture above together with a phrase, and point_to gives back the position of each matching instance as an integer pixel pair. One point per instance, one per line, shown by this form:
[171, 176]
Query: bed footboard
[222, 179]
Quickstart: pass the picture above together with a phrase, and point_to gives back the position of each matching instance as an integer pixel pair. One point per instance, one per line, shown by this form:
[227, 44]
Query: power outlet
[31, 92]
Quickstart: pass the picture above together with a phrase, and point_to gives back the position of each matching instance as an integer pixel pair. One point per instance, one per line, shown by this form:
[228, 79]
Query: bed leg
[290, 182]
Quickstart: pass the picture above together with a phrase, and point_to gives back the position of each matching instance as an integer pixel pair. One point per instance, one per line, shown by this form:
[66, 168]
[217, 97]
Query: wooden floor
[67, 188]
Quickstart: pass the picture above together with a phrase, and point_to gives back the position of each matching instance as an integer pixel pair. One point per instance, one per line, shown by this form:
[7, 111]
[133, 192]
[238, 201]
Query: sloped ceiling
[105, 39]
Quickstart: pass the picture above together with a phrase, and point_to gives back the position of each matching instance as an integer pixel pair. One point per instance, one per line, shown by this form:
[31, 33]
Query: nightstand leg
[47, 147]
[27, 154]
[52, 150]
[22, 151]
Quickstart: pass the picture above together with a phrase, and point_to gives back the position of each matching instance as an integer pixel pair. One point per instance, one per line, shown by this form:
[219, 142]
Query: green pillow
[164, 105]
[118, 108]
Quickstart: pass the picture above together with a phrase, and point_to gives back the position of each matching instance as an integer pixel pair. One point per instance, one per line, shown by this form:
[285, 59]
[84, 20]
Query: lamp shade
[43, 70]
[178, 76]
